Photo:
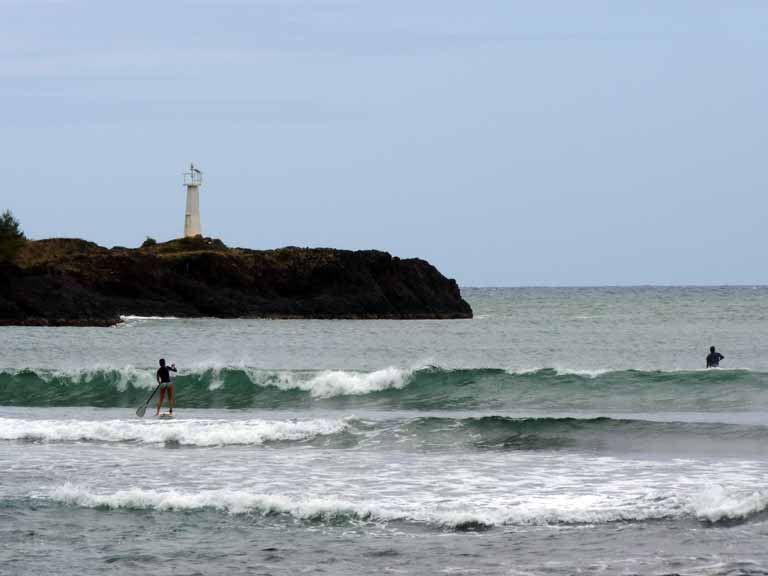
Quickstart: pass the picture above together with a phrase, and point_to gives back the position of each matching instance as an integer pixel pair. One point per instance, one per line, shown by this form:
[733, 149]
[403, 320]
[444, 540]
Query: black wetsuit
[164, 374]
[713, 359]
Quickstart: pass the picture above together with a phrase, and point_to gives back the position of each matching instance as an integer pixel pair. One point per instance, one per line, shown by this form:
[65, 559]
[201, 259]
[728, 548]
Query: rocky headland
[71, 282]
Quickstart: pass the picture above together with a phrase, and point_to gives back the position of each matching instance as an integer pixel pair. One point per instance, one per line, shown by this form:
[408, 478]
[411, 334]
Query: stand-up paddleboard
[165, 416]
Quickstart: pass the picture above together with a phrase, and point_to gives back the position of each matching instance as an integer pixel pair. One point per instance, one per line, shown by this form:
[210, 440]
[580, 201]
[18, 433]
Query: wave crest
[716, 506]
[450, 515]
[422, 433]
[429, 388]
[185, 432]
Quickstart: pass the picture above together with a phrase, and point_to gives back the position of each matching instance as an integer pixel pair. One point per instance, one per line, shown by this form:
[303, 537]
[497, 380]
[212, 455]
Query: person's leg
[170, 398]
[160, 401]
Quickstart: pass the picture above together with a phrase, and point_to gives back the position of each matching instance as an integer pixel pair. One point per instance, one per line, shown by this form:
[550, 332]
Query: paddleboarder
[164, 382]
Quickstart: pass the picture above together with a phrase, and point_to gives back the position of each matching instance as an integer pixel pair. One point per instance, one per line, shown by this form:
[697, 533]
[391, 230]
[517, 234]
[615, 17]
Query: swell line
[711, 506]
[421, 433]
[430, 388]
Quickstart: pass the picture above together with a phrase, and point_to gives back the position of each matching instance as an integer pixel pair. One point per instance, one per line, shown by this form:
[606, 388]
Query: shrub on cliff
[11, 236]
[149, 242]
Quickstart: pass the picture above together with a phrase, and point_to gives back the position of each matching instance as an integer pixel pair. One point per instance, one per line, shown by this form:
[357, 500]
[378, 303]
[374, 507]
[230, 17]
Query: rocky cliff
[74, 282]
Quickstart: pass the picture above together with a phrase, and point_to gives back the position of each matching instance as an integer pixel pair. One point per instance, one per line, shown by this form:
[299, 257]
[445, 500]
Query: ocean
[560, 431]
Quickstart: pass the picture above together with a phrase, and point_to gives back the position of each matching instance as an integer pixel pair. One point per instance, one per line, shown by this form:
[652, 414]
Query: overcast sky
[509, 143]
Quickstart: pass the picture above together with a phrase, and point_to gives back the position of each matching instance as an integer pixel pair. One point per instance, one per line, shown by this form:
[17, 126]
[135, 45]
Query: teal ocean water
[559, 431]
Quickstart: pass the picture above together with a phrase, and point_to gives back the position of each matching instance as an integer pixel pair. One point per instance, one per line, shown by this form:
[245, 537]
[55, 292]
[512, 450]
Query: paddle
[141, 409]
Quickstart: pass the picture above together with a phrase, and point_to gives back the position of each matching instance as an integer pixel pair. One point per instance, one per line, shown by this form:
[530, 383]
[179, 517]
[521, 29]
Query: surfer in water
[713, 358]
[164, 381]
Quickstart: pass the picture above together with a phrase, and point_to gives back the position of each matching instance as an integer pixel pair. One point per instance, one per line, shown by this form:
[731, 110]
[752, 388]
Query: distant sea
[560, 431]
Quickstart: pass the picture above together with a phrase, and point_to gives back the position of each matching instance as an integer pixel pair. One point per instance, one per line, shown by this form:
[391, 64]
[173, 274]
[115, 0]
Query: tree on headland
[11, 236]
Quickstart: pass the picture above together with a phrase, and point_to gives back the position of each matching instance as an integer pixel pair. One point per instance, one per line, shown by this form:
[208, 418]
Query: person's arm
[172, 368]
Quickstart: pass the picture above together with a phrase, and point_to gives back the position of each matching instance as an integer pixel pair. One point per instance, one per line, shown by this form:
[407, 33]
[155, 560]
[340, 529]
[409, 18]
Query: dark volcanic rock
[74, 282]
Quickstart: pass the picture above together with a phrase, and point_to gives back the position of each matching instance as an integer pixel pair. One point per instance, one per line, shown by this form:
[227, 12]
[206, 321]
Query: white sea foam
[526, 512]
[187, 432]
[232, 501]
[127, 375]
[331, 383]
[593, 373]
[325, 508]
[320, 384]
[523, 371]
[132, 317]
[716, 504]
[338, 382]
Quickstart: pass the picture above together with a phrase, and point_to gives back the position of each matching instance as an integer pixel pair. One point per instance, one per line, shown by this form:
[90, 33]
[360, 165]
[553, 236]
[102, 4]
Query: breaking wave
[190, 433]
[429, 388]
[438, 433]
[713, 505]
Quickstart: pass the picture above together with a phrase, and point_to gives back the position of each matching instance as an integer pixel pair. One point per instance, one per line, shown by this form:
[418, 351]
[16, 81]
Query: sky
[509, 143]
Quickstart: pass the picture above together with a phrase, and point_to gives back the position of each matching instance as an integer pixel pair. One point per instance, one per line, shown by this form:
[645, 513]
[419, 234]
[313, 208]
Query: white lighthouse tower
[192, 180]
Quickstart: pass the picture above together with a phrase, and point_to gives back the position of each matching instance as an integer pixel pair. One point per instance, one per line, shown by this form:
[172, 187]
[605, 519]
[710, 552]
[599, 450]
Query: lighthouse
[192, 180]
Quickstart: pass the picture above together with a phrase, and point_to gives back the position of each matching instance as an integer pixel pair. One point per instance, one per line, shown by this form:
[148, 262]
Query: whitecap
[185, 432]
[716, 504]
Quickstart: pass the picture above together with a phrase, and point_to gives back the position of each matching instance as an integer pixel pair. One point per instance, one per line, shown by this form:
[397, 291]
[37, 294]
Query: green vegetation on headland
[11, 237]
[75, 282]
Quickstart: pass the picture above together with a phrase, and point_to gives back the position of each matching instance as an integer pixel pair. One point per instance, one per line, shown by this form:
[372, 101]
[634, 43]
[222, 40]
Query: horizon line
[588, 286]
